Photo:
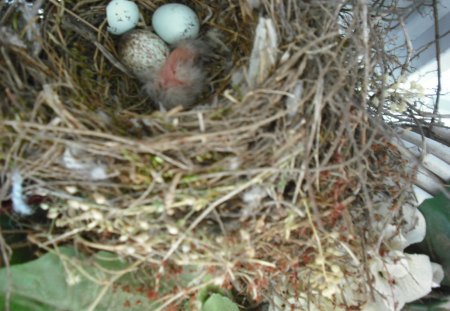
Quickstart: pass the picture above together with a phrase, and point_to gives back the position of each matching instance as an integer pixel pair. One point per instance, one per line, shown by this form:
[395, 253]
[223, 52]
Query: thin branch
[438, 60]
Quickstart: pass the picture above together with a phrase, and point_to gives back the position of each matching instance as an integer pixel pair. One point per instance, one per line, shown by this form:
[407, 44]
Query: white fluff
[293, 102]
[18, 202]
[254, 195]
[86, 167]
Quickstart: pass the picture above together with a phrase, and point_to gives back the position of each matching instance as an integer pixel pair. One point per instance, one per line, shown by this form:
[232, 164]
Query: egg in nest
[142, 52]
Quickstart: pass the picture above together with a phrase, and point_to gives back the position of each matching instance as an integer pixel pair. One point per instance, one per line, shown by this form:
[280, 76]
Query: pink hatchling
[182, 77]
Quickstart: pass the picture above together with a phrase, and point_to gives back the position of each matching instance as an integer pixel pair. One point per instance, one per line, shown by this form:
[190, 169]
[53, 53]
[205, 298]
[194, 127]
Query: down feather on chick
[181, 79]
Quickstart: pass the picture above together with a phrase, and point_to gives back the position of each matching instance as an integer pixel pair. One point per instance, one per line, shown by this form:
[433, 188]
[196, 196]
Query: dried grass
[268, 189]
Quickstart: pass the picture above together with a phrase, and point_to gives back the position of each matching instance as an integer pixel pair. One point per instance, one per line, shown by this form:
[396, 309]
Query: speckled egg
[142, 52]
[174, 22]
[122, 16]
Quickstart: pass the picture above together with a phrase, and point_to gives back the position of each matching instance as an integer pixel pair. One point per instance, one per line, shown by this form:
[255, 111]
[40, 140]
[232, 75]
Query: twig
[438, 61]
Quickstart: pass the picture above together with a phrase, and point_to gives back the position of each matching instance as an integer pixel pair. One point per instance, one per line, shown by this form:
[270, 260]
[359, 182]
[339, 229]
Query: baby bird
[181, 79]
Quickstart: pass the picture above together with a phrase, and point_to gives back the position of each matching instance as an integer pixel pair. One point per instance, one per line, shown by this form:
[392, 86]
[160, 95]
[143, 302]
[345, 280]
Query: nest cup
[272, 183]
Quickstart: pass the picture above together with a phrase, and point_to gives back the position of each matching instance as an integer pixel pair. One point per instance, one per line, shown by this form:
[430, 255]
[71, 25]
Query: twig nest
[122, 16]
[142, 52]
[175, 22]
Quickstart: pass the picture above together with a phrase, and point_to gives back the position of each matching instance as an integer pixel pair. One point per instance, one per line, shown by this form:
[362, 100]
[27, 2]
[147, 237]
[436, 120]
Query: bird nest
[271, 185]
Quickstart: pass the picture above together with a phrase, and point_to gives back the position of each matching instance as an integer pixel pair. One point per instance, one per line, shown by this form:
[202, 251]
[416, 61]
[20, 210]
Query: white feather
[18, 202]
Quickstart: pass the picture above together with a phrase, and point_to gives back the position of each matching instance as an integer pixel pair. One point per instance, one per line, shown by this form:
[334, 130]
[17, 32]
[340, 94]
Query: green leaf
[218, 302]
[429, 304]
[21, 254]
[207, 291]
[68, 281]
[437, 239]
